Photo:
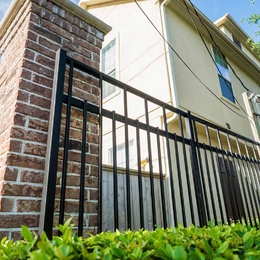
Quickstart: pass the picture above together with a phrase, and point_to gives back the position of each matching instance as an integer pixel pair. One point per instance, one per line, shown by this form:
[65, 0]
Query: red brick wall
[29, 43]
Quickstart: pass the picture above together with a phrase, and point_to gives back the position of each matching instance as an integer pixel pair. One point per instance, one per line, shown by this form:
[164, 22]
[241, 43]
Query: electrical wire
[209, 52]
[186, 63]
[211, 37]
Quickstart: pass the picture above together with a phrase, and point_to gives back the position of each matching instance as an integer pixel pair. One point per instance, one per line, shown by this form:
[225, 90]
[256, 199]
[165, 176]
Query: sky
[213, 9]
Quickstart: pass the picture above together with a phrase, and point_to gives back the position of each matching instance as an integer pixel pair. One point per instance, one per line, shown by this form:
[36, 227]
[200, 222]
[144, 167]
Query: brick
[93, 195]
[11, 174]
[28, 205]
[94, 171]
[26, 74]
[40, 101]
[38, 124]
[46, 33]
[91, 207]
[33, 37]
[19, 120]
[36, 67]
[32, 111]
[4, 234]
[55, 29]
[29, 135]
[34, 88]
[42, 81]
[34, 149]
[93, 220]
[16, 235]
[40, 48]
[21, 190]
[91, 182]
[94, 149]
[46, 61]
[92, 159]
[23, 96]
[93, 138]
[32, 176]
[6, 204]
[15, 220]
[71, 193]
[15, 146]
[25, 161]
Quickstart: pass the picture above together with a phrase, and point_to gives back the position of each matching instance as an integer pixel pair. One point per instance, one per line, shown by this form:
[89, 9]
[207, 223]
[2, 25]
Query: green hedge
[237, 241]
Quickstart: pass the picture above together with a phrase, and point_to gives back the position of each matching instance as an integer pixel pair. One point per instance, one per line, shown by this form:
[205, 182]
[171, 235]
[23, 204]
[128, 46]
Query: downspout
[169, 60]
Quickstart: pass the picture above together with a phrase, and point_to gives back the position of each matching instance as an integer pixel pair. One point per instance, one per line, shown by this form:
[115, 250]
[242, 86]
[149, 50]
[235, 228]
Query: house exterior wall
[141, 60]
[191, 93]
[30, 34]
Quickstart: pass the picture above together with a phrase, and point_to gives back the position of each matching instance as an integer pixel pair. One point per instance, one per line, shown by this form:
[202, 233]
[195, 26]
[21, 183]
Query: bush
[237, 241]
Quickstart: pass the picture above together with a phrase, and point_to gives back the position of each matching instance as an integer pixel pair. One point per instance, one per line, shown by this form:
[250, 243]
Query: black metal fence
[158, 165]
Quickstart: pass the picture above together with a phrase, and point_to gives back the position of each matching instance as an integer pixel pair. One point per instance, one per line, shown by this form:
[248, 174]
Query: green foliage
[253, 43]
[216, 242]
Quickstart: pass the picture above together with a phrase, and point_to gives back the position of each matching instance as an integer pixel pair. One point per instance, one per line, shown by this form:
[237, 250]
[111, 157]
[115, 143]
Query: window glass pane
[109, 57]
[219, 58]
[120, 151]
[226, 89]
[224, 72]
[108, 66]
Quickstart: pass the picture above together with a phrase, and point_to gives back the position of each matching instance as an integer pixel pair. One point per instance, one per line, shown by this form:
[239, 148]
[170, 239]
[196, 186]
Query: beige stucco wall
[141, 59]
[192, 94]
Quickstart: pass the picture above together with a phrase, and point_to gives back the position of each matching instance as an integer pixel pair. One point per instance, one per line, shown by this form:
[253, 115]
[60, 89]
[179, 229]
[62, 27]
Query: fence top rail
[101, 76]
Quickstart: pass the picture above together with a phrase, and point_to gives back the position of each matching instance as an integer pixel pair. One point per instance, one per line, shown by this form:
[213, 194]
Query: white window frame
[112, 72]
[121, 158]
[225, 78]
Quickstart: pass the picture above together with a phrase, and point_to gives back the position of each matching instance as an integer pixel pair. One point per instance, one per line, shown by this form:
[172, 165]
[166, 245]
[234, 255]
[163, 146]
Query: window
[223, 75]
[237, 42]
[120, 151]
[108, 66]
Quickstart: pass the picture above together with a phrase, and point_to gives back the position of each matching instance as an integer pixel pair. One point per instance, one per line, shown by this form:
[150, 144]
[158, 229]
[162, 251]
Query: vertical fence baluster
[100, 163]
[226, 177]
[150, 161]
[115, 175]
[201, 170]
[140, 178]
[210, 185]
[242, 181]
[161, 179]
[215, 174]
[170, 167]
[255, 209]
[127, 166]
[46, 223]
[196, 175]
[222, 183]
[241, 214]
[82, 170]
[180, 181]
[186, 169]
[66, 147]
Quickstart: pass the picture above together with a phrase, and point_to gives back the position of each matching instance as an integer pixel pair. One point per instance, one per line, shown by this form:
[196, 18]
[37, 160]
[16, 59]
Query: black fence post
[196, 174]
[51, 164]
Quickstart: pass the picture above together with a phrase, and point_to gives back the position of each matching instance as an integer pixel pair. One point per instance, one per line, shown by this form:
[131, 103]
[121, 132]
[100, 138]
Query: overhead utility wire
[243, 85]
[186, 63]
[210, 54]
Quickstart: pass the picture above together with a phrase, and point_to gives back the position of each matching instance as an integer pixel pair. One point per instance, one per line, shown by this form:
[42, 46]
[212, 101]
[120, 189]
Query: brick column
[30, 34]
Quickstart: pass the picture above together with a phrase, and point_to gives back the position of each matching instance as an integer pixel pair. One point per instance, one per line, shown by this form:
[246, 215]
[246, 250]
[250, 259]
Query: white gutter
[170, 67]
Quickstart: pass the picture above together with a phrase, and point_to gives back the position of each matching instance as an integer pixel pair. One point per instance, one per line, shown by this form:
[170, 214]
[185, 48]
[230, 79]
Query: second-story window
[237, 42]
[108, 66]
[223, 75]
